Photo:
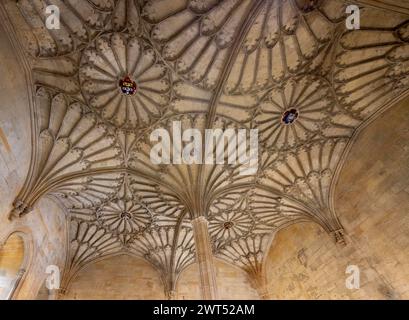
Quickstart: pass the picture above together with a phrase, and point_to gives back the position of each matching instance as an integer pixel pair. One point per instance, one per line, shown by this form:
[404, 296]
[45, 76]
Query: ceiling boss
[128, 86]
[124, 81]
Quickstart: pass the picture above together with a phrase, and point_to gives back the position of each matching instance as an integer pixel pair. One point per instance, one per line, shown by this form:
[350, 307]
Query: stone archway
[14, 258]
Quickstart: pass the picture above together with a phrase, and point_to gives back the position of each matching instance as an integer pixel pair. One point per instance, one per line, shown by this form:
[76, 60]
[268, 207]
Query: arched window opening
[11, 266]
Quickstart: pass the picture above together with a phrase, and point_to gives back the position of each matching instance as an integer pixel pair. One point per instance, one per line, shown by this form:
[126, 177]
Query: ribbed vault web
[206, 64]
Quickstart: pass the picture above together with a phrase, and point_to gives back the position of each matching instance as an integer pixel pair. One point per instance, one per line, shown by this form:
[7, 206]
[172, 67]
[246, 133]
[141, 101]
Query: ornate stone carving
[288, 68]
[310, 98]
[113, 57]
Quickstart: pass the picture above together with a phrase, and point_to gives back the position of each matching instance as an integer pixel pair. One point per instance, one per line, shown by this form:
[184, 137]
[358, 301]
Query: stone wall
[372, 201]
[126, 277]
[15, 127]
[305, 263]
[372, 197]
[45, 227]
[232, 283]
[118, 277]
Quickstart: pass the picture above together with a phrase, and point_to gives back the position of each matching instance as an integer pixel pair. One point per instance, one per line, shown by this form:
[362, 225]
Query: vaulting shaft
[204, 257]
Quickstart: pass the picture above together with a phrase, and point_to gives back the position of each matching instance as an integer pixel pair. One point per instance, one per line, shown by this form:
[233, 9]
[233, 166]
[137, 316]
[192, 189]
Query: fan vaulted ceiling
[209, 64]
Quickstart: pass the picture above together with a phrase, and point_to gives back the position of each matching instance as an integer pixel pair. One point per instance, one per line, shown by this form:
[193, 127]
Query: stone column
[204, 257]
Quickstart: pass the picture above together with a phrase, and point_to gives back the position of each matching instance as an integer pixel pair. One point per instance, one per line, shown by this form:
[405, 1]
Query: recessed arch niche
[13, 265]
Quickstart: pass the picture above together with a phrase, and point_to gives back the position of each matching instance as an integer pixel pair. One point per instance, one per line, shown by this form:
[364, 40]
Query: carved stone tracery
[209, 64]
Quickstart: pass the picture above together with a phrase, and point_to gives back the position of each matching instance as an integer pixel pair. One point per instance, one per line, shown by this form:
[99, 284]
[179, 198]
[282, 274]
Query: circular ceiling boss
[123, 81]
[290, 116]
[124, 216]
[128, 86]
[294, 113]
